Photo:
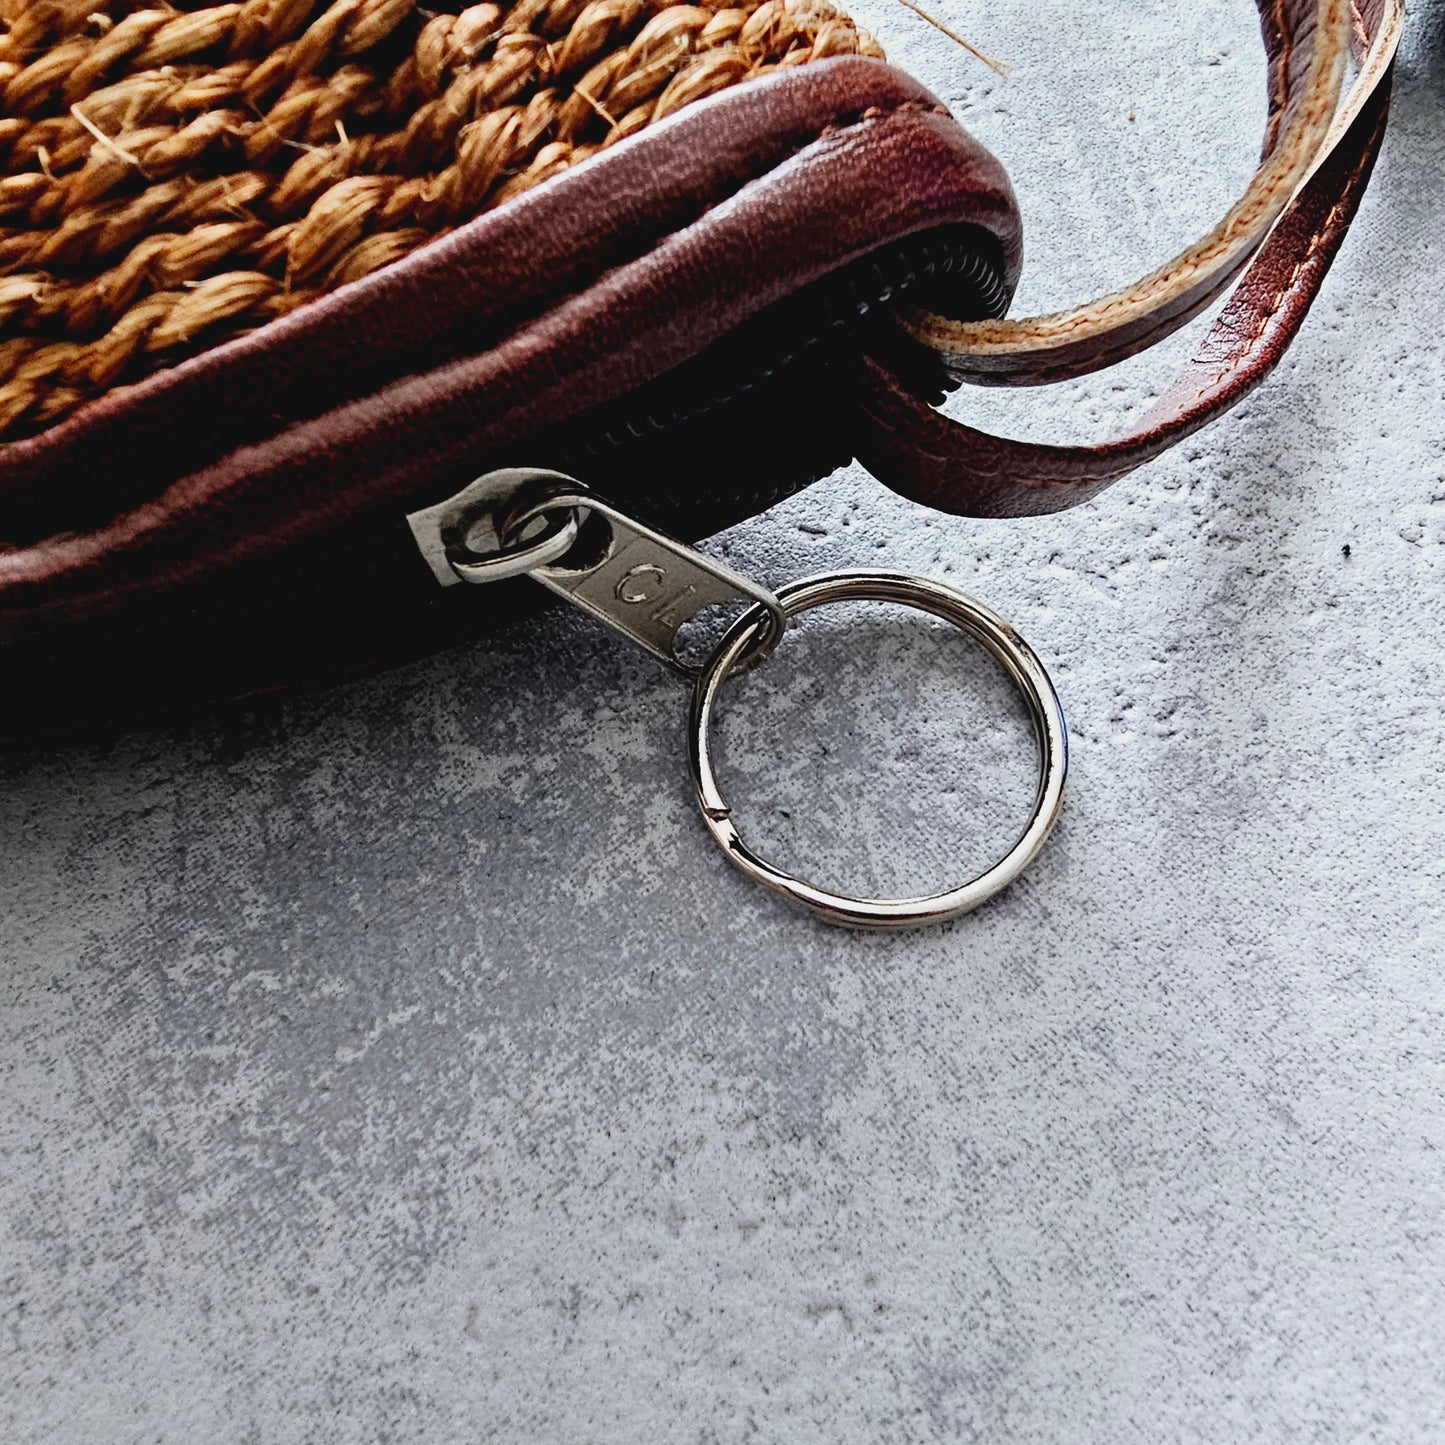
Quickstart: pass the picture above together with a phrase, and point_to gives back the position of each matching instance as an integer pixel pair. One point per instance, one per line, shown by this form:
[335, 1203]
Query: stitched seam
[1286, 54]
[1140, 302]
[1282, 291]
[1318, 240]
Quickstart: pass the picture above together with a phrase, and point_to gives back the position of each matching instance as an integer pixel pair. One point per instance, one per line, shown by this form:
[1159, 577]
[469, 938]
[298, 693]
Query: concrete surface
[387, 1070]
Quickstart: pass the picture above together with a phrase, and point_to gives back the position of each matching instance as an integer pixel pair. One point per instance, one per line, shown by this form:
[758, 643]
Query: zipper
[541, 523]
[641, 583]
[959, 269]
[843, 301]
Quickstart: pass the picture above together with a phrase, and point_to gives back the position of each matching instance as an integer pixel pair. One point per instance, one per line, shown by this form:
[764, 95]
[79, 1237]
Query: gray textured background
[407, 1065]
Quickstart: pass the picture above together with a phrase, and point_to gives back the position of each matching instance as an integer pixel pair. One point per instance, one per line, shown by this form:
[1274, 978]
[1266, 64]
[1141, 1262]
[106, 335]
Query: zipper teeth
[919, 261]
[867, 285]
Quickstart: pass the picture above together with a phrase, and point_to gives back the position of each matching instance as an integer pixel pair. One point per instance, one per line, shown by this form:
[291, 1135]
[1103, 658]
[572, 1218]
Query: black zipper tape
[754, 417]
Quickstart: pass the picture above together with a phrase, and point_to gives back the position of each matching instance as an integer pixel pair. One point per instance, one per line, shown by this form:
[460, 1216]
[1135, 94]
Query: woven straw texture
[175, 176]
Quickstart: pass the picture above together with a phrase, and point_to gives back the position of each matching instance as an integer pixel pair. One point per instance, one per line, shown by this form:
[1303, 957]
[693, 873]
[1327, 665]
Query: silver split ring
[1019, 661]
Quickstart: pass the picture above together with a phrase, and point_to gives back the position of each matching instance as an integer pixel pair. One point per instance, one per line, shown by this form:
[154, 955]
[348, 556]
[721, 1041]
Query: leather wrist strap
[1291, 221]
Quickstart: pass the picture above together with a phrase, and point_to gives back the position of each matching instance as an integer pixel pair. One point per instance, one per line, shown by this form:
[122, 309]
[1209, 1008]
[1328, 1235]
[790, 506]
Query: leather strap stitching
[1283, 289]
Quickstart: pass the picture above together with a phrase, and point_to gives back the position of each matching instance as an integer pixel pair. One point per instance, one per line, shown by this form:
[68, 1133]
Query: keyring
[647, 586]
[1019, 661]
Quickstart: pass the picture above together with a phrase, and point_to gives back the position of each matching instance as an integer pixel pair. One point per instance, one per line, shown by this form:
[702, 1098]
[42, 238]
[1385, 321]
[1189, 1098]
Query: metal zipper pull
[639, 582]
[527, 521]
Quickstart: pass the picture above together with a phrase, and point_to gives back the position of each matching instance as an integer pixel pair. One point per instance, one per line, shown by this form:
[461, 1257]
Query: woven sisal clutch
[274, 274]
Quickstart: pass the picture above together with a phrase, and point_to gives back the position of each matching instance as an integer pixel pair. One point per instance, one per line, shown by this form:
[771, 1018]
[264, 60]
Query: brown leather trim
[452, 298]
[389, 392]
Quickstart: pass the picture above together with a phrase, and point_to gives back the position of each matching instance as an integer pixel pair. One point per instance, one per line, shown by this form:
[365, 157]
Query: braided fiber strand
[172, 175]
